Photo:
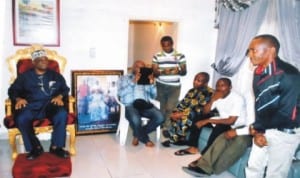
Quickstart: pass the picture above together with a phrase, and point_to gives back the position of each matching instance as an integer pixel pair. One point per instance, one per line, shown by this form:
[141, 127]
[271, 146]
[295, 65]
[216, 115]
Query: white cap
[38, 53]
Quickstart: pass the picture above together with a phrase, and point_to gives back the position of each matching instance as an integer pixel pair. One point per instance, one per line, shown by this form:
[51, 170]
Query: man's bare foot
[187, 151]
[135, 141]
[149, 144]
[192, 150]
[194, 163]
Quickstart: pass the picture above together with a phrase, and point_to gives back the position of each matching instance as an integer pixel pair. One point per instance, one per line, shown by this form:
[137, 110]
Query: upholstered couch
[238, 169]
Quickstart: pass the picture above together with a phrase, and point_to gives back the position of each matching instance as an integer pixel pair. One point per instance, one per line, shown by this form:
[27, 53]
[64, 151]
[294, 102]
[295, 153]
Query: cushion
[45, 166]
[203, 138]
[9, 122]
[26, 64]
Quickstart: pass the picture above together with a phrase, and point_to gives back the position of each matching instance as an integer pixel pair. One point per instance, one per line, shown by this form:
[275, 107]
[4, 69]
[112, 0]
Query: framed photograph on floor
[96, 106]
[36, 22]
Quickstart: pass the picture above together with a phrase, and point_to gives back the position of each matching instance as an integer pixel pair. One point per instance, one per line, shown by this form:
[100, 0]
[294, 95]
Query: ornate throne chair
[20, 62]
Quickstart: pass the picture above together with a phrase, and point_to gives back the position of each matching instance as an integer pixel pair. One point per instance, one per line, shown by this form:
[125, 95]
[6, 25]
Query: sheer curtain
[288, 12]
[280, 18]
[236, 29]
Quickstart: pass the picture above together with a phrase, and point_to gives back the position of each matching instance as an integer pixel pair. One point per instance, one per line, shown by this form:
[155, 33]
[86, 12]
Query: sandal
[183, 152]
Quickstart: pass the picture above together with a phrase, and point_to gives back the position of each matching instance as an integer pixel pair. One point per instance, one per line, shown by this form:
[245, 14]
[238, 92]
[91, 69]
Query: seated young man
[225, 150]
[38, 93]
[136, 99]
[188, 108]
[230, 107]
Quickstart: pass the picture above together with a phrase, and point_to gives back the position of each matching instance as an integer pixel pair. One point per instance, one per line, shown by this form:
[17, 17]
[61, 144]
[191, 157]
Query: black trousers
[195, 134]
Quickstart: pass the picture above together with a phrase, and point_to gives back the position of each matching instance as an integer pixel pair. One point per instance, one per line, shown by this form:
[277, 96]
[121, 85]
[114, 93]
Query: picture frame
[36, 22]
[96, 106]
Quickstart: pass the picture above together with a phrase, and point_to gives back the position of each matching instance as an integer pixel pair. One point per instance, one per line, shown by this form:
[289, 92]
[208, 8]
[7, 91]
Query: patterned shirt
[194, 100]
[169, 60]
[128, 91]
[191, 106]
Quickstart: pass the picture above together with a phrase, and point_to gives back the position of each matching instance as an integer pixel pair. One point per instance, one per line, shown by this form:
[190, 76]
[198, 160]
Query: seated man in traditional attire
[38, 93]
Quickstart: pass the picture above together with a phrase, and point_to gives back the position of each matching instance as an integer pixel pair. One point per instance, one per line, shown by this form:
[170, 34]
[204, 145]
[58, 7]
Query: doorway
[144, 39]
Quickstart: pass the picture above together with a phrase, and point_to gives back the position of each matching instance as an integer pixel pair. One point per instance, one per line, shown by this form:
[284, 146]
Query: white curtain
[288, 13]
[280, 18]
[236, 29]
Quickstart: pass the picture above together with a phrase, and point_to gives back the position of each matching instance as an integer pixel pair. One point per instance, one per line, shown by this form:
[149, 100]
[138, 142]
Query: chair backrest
[21, 61]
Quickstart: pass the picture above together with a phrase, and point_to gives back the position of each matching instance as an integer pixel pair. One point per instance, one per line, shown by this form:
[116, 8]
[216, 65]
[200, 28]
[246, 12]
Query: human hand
[260, 140]
[217, 95]
[175, 116]
[167, 71]
[57, 100]
[201, 123]
[20, 103]
[252, 131]
[151, 78]
[230, 134]
[175, 70]
[137, 76]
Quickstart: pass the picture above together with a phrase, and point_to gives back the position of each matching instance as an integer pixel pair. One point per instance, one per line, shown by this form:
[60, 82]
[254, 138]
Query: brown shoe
[135, 141]
[149, 144]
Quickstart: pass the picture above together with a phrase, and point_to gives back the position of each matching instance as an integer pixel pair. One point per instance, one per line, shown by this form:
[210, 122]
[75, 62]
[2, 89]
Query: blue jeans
[134, 117]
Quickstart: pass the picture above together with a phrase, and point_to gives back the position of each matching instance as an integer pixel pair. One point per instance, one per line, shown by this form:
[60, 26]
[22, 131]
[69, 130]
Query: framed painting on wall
[36, 22]
[95, 92]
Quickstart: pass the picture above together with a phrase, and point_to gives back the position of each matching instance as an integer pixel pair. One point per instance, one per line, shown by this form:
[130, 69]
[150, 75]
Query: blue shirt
[128, 91]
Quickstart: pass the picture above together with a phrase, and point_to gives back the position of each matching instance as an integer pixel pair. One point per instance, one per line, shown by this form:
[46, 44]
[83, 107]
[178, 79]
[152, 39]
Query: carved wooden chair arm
[71, 102]
[8, 107]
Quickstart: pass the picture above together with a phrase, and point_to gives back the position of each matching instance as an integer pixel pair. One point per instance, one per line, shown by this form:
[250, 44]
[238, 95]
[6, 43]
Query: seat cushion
[9, 122]
[46, 166]
[295, 169]
[203, 138]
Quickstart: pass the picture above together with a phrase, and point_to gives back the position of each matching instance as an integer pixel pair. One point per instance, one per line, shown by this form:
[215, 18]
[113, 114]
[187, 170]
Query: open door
[144, 39]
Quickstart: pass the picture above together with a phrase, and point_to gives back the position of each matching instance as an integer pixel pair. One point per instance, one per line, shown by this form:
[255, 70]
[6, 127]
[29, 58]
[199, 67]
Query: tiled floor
[101, 156]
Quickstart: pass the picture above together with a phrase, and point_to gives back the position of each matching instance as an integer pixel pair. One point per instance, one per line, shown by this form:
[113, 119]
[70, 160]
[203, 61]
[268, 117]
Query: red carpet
[45, 166]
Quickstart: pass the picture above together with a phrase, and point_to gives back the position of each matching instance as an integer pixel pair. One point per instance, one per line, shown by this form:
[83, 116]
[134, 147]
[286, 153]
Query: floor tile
[101, 156]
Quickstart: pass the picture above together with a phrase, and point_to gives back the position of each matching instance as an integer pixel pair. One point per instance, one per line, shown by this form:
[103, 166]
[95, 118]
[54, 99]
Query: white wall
[101, 26]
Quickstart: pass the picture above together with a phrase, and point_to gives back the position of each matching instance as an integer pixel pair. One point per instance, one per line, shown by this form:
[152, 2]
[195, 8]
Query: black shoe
[166, 143]
[166, 134]
[59, 152]
[195, 171]
[180, 142]
[34, 153]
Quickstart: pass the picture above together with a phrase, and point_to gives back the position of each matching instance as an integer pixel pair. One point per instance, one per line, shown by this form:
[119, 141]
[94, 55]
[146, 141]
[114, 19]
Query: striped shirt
[169, 60]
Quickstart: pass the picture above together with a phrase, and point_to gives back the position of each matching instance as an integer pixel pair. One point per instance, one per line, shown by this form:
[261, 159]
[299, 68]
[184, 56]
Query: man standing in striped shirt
[168, 65]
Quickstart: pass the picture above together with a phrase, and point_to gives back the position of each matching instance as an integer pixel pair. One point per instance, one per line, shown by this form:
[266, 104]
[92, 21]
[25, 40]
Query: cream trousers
[277, 156]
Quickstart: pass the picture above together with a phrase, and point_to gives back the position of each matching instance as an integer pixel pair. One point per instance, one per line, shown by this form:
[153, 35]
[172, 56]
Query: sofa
[238, 169]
